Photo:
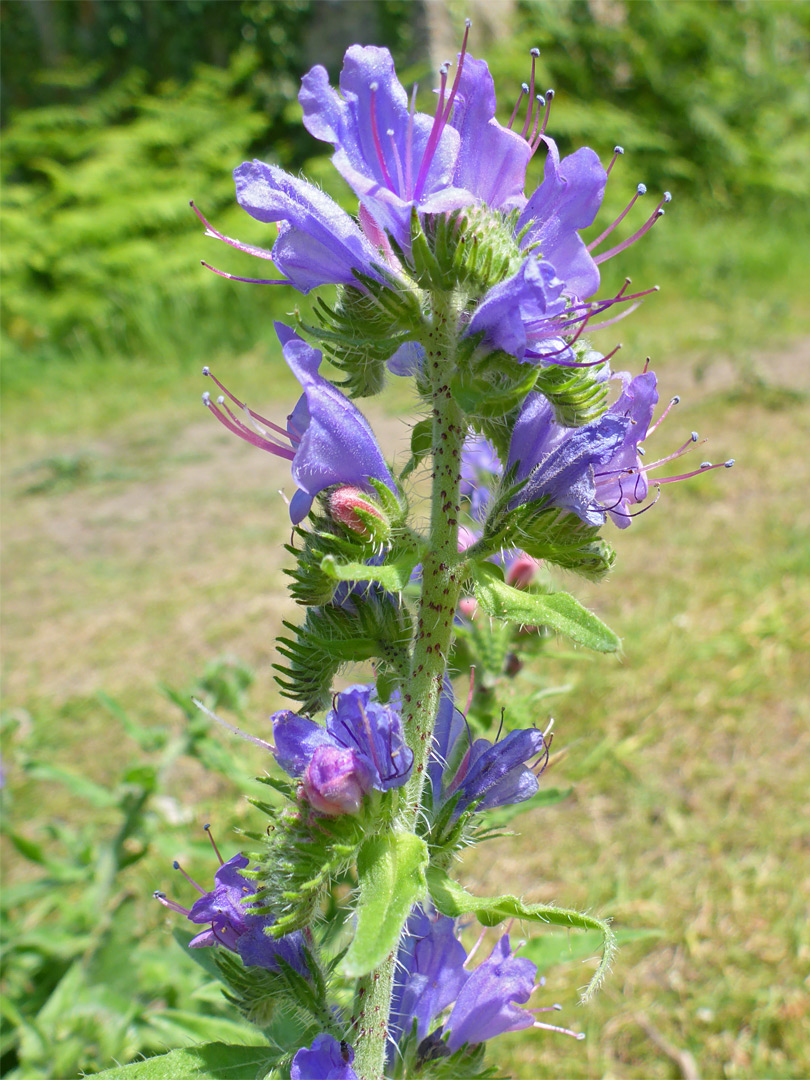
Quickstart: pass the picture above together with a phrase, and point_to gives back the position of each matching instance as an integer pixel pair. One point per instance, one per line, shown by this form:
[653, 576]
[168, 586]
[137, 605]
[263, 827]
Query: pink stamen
[535, 53]
[524, 89]
[433, 138]
[640, 190]
[190, 880]
[541, 101]
[243, 427]
[675, 401]
[578, 1035]
[376, 136]
[475, 948]
[549, 97]
[207, 829]
[245, 433]
[241, 405]
[397, 161]
[617, 153]
[457, 80]
[162, 899]
[249, 280]
[645, 228]
[690, 444]
[409, 145]
[706, 466]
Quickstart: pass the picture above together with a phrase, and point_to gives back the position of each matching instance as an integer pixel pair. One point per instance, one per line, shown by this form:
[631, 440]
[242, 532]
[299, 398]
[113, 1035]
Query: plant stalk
[437, 607]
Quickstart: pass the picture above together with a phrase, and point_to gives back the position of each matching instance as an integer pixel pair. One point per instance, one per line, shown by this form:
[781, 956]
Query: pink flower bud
[466, 538]
[344, 504]
[467, 606]
[521, 571]
[335, 781]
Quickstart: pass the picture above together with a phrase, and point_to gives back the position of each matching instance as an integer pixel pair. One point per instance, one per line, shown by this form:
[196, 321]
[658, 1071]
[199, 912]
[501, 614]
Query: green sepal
[393, 576]
[452, 899]
[492, 398]
[391, 870]
[302, 854]
[559, 610]
[577, 395]
[470, 249]
[369, 627]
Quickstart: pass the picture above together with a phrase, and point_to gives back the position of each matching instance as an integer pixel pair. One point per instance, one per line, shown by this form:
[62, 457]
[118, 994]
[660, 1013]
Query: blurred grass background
[142, 545]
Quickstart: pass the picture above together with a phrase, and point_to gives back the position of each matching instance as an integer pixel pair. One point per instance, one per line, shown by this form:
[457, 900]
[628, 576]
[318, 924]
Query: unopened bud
[344, 503]
[336, 781]
[467, 607]
[521, 571]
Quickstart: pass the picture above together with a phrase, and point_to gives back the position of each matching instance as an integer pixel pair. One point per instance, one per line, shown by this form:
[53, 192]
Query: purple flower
[429, 974]
[623, 479]
[393, 157]
[567, 200]
[327, 1059]
[330, 441]
[231, 924]
[370, 735]
[488, 1003]
[558, 464]
[529, 300]
[318, 242]
[480, 469]
[484, 773]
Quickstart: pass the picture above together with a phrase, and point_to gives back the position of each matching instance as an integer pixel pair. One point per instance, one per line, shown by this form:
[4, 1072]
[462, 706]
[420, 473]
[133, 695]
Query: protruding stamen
[397, 161]
[451, 99]
[475, 948]
[241, 405]
[409, 145]
[207, 829]
[534, 53]
[617, 153]
[648, 224]
[162, 899]
[541, 104]
[248, 280]
[578, 1035]
[372, 108]
[244, 432]
[524, 89]
[675, 401]
[705, 466]
[640, 190]
[433, 138]
[189, 879]
[235, 730]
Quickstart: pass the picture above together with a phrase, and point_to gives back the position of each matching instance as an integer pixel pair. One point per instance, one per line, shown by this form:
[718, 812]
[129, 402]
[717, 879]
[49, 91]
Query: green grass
[140, 540]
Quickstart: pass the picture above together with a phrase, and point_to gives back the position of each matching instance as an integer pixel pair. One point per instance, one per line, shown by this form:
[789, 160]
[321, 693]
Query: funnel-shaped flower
[326, 1059]
[370, 737]
[231, 923]
[393, 157]
[329, 440]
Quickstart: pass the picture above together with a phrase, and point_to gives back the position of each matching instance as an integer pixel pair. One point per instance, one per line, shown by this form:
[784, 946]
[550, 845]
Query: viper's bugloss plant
[342, 909]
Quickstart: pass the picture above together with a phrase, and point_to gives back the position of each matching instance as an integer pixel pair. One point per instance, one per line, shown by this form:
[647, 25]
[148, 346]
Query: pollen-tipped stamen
[617, 153]
[673, 402]
[241, 405]
[207, 829]
[640, 190]
[375, 134]
[534, 54]
[645, 228]
[247, 280]
[524, 89]
[244, 433]
[171, 904]
[189, 879]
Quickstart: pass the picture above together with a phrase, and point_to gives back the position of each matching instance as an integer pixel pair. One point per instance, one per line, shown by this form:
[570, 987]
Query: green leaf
[80, 786]
[212, 1061]
[551, 949]
[453, 900]
[560, 610]
[393, 576]
[391, 869]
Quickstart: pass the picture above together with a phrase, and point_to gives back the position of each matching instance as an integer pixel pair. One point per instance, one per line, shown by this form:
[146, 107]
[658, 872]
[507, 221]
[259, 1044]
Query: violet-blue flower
[326, 1059]
[429, 973]
[231, 923]
[530, 299]
[557, 463]
[329, 440]
[318, 242]
[488, 1003]
[392, 156]
[480, 470]
[370, 731]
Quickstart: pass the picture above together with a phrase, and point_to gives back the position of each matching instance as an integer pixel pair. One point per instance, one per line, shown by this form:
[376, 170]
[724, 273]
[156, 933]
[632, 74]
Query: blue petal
[532, 295]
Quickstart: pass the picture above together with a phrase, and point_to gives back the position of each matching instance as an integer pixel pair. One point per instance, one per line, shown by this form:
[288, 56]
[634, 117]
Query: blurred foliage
[69, 1002]
[709, 98]
[119, 112]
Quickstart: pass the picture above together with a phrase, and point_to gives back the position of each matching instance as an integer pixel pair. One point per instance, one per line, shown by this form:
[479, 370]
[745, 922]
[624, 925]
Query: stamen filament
[457, 80]
[645, 228]
[244, 433]
[433, 138]
[241, 405]
[535, 53]
[207, 829]
[376, 136]
[640, 190]
[171, 904]
[248, 280]
[524, 89]
[189, 879]
[617, 153]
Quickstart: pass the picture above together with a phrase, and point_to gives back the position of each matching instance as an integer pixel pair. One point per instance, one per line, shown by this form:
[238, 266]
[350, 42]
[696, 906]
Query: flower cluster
[226, 911]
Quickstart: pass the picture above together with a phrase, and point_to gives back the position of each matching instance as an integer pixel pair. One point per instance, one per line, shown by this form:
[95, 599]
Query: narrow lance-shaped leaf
[393, 576]
[453, 900]
[560, 610]
[391, 870]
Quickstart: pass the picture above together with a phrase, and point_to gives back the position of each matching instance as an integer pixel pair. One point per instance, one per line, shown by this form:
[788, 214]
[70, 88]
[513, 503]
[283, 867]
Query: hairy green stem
[422, 691]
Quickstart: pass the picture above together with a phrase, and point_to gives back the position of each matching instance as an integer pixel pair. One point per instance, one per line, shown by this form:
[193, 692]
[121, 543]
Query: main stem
[434, 630]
